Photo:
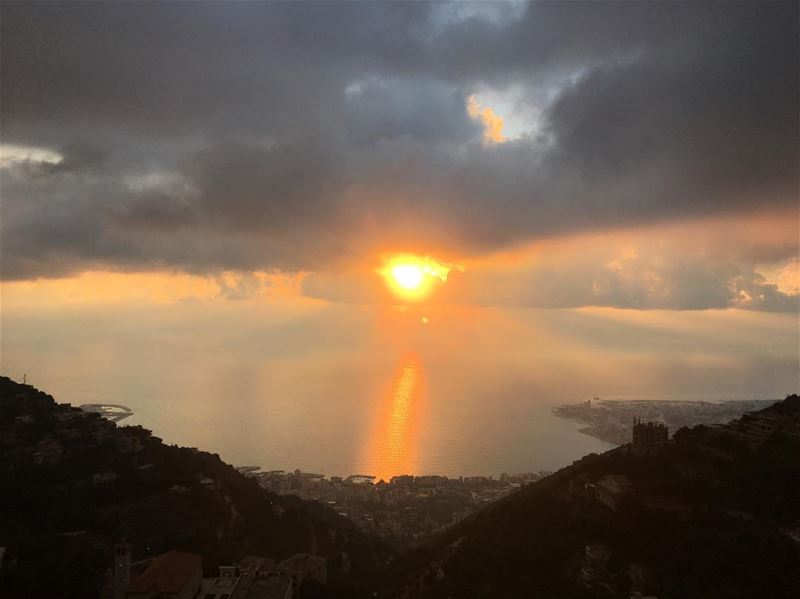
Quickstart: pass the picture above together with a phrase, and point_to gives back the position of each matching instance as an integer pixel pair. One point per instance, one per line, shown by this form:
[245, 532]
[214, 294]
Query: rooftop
[261, 587]
[167, 573]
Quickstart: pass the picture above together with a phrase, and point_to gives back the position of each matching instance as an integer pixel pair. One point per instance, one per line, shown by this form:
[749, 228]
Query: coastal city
[406, 510]
[612, 420]
[179, 518]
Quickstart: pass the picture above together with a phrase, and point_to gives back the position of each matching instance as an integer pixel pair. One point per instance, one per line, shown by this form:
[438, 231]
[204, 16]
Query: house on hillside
[253, 581]
[221, 586]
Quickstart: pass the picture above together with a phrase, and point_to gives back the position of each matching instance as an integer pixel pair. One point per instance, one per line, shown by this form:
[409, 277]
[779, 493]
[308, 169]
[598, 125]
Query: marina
[112, 412]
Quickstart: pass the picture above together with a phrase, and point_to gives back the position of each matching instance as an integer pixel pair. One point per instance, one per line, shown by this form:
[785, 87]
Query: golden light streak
[393, 449]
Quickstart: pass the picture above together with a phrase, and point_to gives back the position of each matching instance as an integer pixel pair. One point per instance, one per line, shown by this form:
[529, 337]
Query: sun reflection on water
[393, 448]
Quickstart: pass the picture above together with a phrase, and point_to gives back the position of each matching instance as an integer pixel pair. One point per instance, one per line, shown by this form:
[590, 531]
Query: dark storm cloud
[423, 110]
[283, 135]
[171, 70]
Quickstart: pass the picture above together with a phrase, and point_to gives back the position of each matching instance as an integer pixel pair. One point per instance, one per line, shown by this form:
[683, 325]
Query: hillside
[715, 513]
[73, 484]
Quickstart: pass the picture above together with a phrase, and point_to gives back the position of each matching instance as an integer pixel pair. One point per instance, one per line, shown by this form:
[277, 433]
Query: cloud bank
[298, 137]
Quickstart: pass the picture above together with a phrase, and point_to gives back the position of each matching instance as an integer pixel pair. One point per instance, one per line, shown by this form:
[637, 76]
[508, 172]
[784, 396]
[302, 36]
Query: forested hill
[714, 514]
[73, 484]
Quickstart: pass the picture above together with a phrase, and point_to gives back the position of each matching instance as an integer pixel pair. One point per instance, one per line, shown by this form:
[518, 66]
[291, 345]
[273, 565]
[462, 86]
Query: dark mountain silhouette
[73, 484]
[714, 513]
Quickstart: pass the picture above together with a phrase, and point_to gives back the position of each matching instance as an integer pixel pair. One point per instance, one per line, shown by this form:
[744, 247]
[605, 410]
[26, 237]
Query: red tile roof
[167, 573]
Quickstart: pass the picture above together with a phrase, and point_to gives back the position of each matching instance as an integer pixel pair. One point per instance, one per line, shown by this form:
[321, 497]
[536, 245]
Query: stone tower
[122, 569]
[649, 437]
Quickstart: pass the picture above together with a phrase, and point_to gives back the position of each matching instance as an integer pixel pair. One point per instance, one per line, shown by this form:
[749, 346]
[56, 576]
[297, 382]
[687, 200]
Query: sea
[342, 389]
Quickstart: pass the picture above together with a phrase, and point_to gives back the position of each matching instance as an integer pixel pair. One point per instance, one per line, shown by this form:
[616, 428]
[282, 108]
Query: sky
[634, 156]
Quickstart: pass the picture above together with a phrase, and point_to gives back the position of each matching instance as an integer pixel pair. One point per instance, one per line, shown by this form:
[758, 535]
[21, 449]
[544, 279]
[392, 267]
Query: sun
[408, 276]
[412, 277]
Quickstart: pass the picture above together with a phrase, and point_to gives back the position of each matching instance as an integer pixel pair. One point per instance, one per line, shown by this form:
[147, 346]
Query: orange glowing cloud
[492, 123]
[157, 287]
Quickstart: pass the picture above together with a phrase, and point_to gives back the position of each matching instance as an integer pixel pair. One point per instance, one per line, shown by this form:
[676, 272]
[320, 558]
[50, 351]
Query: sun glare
[413, 277]
[408, 276]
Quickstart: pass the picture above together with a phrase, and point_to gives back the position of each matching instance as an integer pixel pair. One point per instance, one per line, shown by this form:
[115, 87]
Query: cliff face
[73, 484]
[716, 513]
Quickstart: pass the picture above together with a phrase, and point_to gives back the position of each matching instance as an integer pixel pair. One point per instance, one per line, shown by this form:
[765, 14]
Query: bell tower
[122, 569]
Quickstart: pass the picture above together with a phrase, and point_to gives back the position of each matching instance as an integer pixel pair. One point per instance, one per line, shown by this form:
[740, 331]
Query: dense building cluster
[407, 509]
[179, 575]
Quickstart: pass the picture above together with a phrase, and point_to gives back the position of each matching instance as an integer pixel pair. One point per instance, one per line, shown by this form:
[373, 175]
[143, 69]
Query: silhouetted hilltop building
[649, 436]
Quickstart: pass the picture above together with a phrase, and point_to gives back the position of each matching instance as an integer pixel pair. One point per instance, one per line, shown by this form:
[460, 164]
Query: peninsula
[612, 420]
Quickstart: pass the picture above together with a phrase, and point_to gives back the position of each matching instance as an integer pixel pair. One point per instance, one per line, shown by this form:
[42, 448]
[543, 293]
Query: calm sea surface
[343, 390]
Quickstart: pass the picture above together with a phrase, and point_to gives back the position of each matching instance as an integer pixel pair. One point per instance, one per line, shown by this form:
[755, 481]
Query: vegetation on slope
[73, 484]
